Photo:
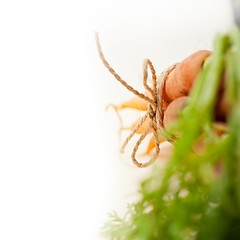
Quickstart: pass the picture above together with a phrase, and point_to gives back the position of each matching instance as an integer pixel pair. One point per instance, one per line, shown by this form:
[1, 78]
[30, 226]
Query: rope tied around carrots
[155, 110]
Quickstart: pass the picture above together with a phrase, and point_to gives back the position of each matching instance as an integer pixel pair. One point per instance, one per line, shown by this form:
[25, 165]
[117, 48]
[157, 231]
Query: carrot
[166, 151]
[180, 80]
[134, 124]
[150, 147]
[134, 103]
[171, 114]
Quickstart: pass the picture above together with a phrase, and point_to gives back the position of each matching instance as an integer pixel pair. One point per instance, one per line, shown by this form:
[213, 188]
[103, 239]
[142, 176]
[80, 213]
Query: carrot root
[180, 80]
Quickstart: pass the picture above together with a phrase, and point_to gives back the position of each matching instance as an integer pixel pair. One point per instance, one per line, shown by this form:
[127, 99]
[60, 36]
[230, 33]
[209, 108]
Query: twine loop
[154, 112]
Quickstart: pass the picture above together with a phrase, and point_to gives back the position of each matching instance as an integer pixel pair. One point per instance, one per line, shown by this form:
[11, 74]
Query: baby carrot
[171, 113]
[180, 80]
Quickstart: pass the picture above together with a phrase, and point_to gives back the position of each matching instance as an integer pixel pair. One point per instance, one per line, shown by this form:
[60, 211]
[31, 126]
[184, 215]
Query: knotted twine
[155, 108]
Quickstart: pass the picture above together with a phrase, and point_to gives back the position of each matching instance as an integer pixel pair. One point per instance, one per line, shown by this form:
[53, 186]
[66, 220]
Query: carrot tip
[145, 153]
[124, 128]
[117, 112]
[111, 105]
[121, 151]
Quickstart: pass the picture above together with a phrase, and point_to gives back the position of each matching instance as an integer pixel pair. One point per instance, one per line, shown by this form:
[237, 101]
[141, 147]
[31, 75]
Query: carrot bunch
[167, 99]
[197, 194]
[175, 95]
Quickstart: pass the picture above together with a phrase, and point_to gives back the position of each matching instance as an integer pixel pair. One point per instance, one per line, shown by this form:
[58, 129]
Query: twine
[155, 110]
[161, 83]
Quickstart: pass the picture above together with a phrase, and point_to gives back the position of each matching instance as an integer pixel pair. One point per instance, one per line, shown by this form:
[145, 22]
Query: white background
[60, 167]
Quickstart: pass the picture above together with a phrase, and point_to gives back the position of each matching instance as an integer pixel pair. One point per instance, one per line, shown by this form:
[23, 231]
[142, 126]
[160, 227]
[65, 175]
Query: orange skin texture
[171, 114]
[135, 103]
[180, 80]
[151, 144]
[165, 98]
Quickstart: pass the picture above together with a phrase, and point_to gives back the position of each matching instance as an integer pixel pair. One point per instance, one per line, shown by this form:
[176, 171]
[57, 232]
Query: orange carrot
[134, 124]
[166, 151]
[171, 114]
[151, 144]
[134, 103]
[180, 80]
[150, 147]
